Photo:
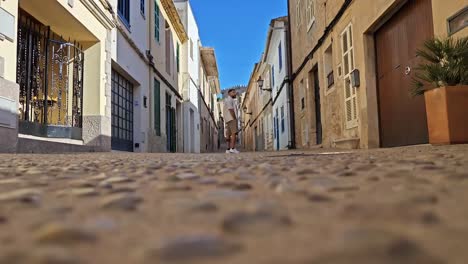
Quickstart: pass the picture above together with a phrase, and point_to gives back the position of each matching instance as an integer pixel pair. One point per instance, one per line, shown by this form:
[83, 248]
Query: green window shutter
[156, 21]
[157, 107]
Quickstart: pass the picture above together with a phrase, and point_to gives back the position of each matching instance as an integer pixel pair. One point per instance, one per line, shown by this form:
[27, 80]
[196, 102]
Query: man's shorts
[231, 128]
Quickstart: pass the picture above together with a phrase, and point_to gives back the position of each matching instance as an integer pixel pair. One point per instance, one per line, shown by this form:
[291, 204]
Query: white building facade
[190, 79]
[276, 57]
[166, 37]
[130, 81]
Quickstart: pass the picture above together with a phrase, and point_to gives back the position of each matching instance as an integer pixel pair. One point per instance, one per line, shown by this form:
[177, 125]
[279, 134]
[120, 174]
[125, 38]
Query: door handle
[407, 70]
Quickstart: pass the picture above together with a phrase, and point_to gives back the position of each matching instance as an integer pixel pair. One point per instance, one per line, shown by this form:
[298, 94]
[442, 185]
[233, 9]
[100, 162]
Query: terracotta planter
[447, 114]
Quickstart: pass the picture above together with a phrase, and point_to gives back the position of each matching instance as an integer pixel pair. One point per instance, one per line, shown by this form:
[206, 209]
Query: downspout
[292, 119]
[150, 75]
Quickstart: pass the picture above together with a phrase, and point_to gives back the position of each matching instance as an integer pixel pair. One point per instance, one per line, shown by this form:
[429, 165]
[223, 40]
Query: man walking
[230, 118]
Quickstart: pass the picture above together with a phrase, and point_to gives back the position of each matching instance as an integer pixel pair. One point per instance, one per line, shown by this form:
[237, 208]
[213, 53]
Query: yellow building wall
[442, 10]
[79, 23]
[8, 48]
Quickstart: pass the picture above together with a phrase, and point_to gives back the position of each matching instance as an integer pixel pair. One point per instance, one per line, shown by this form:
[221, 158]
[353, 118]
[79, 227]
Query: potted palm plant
[442, 77]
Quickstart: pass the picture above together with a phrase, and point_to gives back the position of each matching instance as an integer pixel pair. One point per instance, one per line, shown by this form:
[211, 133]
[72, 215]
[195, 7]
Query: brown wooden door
[402, 116]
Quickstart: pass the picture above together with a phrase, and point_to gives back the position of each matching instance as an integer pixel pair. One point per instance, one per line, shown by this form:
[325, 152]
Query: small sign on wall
[7, 25]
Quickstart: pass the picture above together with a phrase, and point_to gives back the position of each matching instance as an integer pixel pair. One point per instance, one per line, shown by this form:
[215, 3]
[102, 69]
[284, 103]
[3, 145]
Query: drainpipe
[292, 125]
[150, 73]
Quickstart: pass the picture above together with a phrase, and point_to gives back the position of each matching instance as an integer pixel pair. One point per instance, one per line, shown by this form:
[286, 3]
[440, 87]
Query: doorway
[402, 117]
[318, 112]
[192, 131]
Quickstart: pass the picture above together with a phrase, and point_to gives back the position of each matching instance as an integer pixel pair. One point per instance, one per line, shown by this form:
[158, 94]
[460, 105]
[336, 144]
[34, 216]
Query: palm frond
[445, 63]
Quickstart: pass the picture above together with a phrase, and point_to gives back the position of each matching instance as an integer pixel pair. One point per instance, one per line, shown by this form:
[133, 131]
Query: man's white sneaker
[234, 151]
[228, 152]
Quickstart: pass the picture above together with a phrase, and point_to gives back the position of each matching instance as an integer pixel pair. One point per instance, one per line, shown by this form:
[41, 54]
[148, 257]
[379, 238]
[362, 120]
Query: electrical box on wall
[355, 78]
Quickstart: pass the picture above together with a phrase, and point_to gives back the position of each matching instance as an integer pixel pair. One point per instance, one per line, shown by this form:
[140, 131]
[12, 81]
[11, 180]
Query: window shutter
[157, 107]
[156, 21]
[350, 92]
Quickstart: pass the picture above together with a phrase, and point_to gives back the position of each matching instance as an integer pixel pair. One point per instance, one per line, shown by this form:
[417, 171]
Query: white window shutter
[350, 93]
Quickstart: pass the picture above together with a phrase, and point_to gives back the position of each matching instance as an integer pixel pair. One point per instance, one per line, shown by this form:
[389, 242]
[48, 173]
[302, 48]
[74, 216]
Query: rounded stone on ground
[255, 223]
[22, 195]
[116, 179]
[192, 248]
[59, 234]
[84, 192]
[173, 187]
[187, 176]
[320, 198]
[347, 174]
[207, 181]
[126, 202]
[242, 187]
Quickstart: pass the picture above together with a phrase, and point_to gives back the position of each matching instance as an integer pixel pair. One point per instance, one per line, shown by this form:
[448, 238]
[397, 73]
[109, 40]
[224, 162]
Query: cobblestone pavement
[404, 205]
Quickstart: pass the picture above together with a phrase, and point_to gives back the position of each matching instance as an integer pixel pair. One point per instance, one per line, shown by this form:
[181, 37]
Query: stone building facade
[96, 75]
[348, 92]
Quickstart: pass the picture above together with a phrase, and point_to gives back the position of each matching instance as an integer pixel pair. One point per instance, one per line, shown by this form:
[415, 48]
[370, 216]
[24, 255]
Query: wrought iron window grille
[50, 74]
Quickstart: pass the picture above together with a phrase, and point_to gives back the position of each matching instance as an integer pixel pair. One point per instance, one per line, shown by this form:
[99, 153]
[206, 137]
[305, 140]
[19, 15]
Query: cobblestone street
[404, 205]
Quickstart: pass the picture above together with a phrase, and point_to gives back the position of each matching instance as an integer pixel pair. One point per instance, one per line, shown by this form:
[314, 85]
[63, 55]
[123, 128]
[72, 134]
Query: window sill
[311, 23]
[330, 89]
[352, 125]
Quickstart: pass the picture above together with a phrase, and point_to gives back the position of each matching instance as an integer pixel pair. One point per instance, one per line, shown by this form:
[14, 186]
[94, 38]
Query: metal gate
[122, 113]
[50, 77]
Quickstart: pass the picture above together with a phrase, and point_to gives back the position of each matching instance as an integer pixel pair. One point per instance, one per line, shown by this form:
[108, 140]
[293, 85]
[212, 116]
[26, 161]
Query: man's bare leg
[233, 142]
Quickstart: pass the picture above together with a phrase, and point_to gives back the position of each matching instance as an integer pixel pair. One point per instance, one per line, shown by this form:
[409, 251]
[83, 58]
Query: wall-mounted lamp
[260, 83]
[245, 111]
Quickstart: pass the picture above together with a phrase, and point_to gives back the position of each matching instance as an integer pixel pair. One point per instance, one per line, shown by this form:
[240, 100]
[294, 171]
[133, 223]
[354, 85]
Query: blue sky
[237, 30]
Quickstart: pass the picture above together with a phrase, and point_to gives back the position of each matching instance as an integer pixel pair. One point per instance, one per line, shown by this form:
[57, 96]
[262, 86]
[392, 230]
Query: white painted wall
[8, 47]
[189, 63]
[272, 58]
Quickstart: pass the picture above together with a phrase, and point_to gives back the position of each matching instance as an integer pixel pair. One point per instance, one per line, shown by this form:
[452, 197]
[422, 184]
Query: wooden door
[318, 112]
[402, 116]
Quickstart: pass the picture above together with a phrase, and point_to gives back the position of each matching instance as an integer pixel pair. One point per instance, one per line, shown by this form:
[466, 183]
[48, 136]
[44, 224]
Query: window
[458, 22]
[298, 14]
[302, 94]
[123, 8]
[280, 54]
[178, 57]
[310, 13]
[157, 107]
[191, 49]
[348, 67]
[156, 21]
[142, 7]
[328, 66]
[282, 119]
[122, 113]
[272, 76]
